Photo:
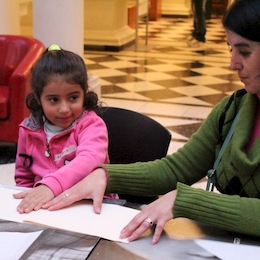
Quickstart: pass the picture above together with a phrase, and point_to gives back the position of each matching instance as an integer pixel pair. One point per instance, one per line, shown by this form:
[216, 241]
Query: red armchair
[17, 56]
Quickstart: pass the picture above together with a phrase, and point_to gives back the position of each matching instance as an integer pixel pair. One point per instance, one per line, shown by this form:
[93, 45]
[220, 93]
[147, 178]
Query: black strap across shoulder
[235, 96]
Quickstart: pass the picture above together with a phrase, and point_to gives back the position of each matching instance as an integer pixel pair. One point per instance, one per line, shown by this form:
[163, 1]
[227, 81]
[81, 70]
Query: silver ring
[149, 221]
[66, 195]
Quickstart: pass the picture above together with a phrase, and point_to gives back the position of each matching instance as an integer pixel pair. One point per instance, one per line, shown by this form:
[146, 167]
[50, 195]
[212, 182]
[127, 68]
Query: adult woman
[238, 173]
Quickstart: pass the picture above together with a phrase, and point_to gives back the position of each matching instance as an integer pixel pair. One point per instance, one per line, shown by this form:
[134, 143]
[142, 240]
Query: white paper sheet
[228, 251]
[79, 217]
[8, 204]
[14, 244]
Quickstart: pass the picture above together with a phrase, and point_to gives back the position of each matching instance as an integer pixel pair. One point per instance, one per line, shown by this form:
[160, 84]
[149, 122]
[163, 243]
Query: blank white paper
[228, 251]
[78, 217]
[14, 244]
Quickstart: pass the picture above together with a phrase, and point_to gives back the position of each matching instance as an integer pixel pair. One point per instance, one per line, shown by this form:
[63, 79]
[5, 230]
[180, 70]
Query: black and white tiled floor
[175, 84]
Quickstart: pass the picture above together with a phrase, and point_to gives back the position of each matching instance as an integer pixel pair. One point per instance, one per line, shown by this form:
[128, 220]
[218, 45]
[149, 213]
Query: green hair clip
[54, 47]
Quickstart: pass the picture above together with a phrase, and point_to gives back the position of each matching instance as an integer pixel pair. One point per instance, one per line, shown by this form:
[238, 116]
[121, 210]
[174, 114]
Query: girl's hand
[159, 211]
[91, 187]
[34, 198]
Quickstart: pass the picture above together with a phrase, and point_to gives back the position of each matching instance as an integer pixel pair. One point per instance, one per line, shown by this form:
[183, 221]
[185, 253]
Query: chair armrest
[25, 66]
[19, 85]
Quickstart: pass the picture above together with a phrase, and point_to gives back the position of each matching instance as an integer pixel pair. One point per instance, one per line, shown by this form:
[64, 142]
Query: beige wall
[176, 7]
[168, 7]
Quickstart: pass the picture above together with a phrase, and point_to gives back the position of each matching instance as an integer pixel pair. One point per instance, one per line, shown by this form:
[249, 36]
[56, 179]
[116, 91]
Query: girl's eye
[53, 100]
[74, 98]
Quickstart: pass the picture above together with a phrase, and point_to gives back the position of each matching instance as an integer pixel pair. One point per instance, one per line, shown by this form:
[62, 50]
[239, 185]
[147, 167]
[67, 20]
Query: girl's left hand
[34, 198]
[159, 211]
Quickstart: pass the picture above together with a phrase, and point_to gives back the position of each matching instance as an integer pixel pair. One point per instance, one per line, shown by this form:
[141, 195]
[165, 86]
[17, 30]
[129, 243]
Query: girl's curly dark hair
[59, 62]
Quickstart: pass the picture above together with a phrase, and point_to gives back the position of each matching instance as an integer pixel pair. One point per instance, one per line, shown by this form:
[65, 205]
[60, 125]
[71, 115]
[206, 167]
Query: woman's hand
[34, 198]
[159, 211]
[91, 187]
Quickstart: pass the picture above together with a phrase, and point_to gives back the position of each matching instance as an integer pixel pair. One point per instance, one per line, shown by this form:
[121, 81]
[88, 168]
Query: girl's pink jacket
[74, 153]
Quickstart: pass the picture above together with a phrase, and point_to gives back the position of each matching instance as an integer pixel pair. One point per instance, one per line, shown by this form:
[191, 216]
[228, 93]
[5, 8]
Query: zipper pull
[47, 152]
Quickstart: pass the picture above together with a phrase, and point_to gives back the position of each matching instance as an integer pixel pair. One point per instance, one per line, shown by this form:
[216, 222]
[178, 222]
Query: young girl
[63, 139]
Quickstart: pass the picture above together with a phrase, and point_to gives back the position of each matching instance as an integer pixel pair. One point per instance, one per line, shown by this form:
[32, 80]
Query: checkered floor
[175, 84]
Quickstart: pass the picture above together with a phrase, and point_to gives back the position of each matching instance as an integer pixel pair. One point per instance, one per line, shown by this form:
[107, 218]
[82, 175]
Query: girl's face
[246, 60]
[62, 102]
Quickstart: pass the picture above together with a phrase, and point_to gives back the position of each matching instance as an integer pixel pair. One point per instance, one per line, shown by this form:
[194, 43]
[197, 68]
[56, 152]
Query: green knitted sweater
[238, 174]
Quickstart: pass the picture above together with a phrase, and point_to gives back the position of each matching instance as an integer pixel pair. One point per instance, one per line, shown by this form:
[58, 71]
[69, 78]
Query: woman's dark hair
[59, 62]
[243, 18]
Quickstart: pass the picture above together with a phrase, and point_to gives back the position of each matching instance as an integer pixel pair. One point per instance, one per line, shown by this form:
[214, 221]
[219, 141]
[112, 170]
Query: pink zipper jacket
[69, 156]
